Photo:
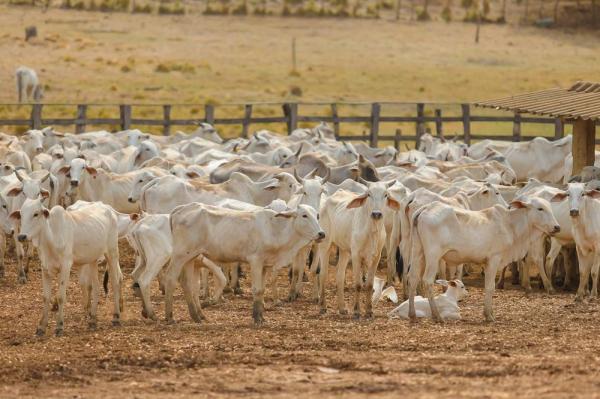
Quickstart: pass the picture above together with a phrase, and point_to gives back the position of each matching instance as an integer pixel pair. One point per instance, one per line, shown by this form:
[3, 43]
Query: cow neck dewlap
[523, 235]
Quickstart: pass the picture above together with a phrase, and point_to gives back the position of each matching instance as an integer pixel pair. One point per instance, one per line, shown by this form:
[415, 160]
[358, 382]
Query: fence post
[125, 115]
[375, 112]
[559, 128]
[290, 111]
[466, 120]
[397, 136]
[209, 113]
[517, 127]
[80, 119]
[438, 123]
[166, 120]
[336, 120]
[419, 126]
[247, 118]
[36, 116]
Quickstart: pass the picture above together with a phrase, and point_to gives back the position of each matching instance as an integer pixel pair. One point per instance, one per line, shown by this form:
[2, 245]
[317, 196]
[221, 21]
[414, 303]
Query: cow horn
[299, 150]
[298, 178]
[313, 173]
[46, 176]
[18, 175]
[326, 177]
[363, 181]
[406, 146]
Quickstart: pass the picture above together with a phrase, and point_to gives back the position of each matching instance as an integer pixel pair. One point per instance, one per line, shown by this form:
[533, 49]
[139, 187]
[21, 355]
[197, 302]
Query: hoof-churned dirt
[540, 345]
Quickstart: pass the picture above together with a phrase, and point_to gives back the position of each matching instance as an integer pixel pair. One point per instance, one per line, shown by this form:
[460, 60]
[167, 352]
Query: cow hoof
[292, 297]
[259, 322]
[413, 319]
[58, 332]
[116, 323]
[356, 316]
[322, 310]
[170, 321]
[39, 332]
[22, 280]
[55, 307]
[1, 273]
[343, 311]
[277, 303]
[238, 291]
[578, 298]
[144, 314]
[369, 315]
[92, 326]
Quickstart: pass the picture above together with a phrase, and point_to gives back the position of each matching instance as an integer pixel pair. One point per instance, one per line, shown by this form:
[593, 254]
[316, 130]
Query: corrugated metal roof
[580, 101]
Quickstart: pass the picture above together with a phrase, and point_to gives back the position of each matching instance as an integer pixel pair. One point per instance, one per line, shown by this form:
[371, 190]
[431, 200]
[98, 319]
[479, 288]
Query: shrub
[296, 91]
[242, 9]
[423, 15]
[447, 14]
[162, 68]
[142, 9]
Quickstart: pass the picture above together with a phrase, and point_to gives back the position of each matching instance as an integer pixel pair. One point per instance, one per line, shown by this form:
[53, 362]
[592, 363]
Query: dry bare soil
[540, 346]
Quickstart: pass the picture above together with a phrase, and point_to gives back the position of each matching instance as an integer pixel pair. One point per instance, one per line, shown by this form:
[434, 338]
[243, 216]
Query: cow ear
[272, 186]
[44, 193]
[452, 283]
[443, 283]
[517, 204]
[558, 197]
[92, 171]
[192, 174]
[64, 170]
[593, 193]
[392, 203]
[16, 215]
[357, 202]
[134, 216]
[14, 192]
[45, 212]
[287, 215]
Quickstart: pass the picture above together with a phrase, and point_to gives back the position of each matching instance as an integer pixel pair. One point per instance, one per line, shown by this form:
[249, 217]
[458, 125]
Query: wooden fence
[291, 118]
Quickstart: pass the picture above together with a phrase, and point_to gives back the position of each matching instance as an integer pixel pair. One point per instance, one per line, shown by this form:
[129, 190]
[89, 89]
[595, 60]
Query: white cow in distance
[28, 85]
[447, 302]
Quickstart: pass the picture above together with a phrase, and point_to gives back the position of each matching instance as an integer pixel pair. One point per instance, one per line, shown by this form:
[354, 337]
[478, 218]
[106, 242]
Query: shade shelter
[578, 104]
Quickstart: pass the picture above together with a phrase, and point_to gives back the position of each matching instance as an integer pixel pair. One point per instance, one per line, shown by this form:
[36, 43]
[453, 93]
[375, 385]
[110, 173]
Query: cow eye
[304, 216]
[4, 206]
[35, 215]
[540, 209]
[141, 181]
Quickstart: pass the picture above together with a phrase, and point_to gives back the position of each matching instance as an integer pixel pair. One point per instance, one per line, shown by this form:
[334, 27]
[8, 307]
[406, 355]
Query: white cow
[65, 238]
[262, 238]
[447, 303]
[354, 223]
[494, 236]
[28, 85]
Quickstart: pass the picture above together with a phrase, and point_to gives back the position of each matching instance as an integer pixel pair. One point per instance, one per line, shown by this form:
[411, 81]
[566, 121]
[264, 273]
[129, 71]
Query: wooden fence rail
[291, 118]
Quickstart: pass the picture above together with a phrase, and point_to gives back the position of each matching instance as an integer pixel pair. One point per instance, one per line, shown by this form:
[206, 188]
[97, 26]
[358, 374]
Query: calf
[447, 303]
[262, 238]
[65, 238]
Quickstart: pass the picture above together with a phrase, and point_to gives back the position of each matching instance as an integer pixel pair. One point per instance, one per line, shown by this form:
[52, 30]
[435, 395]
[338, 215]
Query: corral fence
[375, 125]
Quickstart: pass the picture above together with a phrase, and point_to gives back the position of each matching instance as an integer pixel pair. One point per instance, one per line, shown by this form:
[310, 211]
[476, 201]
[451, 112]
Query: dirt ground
[539, 345]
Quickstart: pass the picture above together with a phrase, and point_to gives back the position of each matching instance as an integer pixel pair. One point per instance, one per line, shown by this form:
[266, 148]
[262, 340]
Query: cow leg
[28, 256]
[569, 267]
[188, 283]
[22, 278]
[95, 295]
[65, 271]
[173, 272]
[153, 268]
[595, 269]
[258, 291]
[514, 271]
[316, 267]
[460, 271]
[371, 268]
[391, 248]
[443, 270]
[46, 295]
[205, 290]
[490, 279]
[322, 277]
[2, 252]
[340, 280]
[274, 287]
[235, 279]
[356, 284]
[86, 287]
[219, 276]
[555, 248]
[431, 268]
[585, 266]
[116, 279]
[500, 284]
[297, 273]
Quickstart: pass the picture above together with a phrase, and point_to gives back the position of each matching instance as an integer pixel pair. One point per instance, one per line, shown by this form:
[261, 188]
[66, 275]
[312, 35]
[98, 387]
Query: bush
[296, 91]
[447, 14]
[176, 9]
[242, 9]
[125, 68]
[145, 9]
[162, 68]
[423, 15]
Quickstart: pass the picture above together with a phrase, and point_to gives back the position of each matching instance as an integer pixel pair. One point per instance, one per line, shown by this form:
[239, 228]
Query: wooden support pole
[420, 127]
[466, 120]
[209, 114]
[584, 138]
[80, 122]
[294, 69]
[517, 127]
[290, 110]
[375, 113]
[397, 137]
[438, 123]
[559, 129]
[125, 116]
[247, 120]
[166, 120]
[336, 121]
[36, 116]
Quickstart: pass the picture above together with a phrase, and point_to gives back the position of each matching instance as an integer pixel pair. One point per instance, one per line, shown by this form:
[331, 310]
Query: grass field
[110, 58]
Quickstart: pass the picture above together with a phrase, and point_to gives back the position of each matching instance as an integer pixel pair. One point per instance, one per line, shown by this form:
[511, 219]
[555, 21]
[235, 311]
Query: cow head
[135, 137]
[305, 222]
[374, 199]
[539, 214]
[5, 222]
[6, 169]
[141, 180]
[577, 193]
[285, 184]
[32, 217]
[75, 170]
[454, 288]
[485, 197]
[30, 187]
[311, 188]
[33, 142]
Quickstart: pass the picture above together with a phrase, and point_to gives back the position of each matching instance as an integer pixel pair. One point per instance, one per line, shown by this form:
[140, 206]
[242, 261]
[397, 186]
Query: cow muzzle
[131, 200]
[22, 237]
[555, 230]
[574, 212]
[74, 183]
[376, 215]
[320, 236]
[39, 150]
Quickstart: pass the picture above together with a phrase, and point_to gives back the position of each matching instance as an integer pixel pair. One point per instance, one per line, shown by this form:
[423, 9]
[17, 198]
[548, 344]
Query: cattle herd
[195, 205]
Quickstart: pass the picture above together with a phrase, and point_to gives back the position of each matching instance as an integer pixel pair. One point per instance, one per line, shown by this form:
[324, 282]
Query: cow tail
[105, 282]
